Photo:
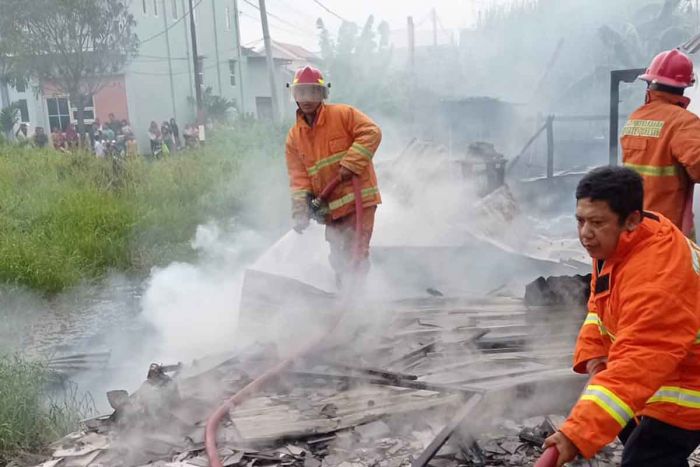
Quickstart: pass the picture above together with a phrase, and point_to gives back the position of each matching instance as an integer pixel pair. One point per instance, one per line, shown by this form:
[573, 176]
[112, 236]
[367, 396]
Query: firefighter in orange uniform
[661, 140]
[639, 342]
[330, 140]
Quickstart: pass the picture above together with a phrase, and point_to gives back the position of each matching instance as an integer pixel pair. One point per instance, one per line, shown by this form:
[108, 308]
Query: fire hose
[549, 457]
[214, 419]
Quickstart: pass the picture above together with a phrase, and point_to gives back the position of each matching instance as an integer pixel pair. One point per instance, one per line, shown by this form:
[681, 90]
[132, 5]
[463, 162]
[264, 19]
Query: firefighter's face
[308, 97]
[599, 228]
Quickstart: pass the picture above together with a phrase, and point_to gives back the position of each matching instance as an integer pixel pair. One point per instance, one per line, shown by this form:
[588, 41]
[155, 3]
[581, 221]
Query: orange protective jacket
[644, 317]
[661, 141]
[340, 136]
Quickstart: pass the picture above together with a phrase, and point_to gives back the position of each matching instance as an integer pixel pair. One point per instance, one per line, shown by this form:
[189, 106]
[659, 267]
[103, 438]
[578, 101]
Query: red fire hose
[214, 419]
[549, 457]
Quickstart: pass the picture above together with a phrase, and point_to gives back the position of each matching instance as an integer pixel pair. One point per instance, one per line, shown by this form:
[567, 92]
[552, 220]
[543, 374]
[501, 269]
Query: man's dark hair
[621, 188]
[665, 88]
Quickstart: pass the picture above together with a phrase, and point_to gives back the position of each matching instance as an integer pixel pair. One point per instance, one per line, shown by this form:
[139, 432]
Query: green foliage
[71, 218]
[9, 116]
[74, 44]
[358, 65]
[29, 417]
[215, 107]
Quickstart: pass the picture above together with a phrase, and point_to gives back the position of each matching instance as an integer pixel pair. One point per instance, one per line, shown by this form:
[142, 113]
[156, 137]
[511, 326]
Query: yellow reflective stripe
[330, 160]
[300, 194]
[608, 401]
[649, 128]
[350, 197]
[653, 170]
[678, 396]
[606, 332]
[363, 150]
[594, 319]
[697, 338]
[694, 255]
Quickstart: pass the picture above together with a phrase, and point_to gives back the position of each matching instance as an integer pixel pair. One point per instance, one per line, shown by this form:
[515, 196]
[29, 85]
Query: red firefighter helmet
[308, 84]
[670, 68]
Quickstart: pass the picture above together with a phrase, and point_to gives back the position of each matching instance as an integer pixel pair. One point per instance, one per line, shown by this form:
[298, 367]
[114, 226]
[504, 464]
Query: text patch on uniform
[650, 128]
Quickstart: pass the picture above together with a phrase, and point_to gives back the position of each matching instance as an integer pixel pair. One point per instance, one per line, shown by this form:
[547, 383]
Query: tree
[324, 41]
[358, 65]
[215, 107]
[72, 45]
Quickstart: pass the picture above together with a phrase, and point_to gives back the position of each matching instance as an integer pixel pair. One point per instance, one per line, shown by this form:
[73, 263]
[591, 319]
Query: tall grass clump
[30, 417]
[70, 218]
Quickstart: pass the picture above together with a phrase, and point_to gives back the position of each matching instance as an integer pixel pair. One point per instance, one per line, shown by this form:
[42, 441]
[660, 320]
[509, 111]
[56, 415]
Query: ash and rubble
[443, 382]
[435, 381]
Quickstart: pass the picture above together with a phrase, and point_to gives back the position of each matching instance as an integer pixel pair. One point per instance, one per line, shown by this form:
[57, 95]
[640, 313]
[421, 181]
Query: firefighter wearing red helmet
[327, 141]
[661, 140]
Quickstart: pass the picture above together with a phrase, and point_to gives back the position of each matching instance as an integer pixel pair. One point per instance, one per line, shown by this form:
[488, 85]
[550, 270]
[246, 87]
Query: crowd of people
[114, 137]
[165, 139]
[39, 139]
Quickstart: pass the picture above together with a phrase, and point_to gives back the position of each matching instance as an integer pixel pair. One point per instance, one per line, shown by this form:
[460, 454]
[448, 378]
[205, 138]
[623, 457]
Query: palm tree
[9, 117]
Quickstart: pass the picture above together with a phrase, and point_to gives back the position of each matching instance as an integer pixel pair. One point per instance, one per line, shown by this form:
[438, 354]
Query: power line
[297, 11]
[272, 15]
[184, 15]
[157, 58]
[331, 11]
[183, 72]
[280, 28]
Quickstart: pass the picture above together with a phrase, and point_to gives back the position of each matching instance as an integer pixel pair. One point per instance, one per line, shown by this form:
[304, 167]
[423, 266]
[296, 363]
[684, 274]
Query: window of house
[228, 19]
[144, 6]
[23, 110]
[58, 112]
[20, 85]
[155, 7]
[232, 71]
[88, 113]
[174, 8]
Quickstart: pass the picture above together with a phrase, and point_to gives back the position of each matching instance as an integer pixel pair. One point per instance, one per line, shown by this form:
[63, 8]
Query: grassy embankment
[70, 219]
[66, 219]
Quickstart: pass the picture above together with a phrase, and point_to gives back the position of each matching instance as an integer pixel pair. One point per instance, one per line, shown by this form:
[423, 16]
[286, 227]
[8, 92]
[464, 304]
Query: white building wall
[152, 95]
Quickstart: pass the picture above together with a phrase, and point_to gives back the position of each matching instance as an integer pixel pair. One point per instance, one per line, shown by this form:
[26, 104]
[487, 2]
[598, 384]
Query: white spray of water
[194, 307]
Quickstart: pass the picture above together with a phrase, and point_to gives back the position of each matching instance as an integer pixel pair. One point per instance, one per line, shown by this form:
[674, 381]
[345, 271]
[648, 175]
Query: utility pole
[411, 72]
[434, 15]
[241, 104]
[411, 44]
[197, 71]
[170, 62]
[270, 61]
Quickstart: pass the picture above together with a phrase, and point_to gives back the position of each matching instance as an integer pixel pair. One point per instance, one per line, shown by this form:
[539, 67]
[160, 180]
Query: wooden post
[550, 146]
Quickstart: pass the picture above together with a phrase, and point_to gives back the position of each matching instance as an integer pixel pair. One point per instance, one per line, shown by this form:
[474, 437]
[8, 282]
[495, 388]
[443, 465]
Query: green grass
[29, 417]
[67, 219]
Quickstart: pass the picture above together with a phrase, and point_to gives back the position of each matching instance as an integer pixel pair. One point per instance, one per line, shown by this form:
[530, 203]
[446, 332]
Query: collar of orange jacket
[320, 118]
[628, 240]
[667, 97]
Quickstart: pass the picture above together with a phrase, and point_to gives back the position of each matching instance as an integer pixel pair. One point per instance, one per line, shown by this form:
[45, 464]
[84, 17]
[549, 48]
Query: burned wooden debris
[434, 380]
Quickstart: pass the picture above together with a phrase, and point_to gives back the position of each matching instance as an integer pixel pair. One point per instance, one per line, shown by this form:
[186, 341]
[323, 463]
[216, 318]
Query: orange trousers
[340, 235]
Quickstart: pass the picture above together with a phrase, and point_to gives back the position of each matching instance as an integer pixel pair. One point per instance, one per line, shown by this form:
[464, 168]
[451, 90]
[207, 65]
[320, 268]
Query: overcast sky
[294, 20]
